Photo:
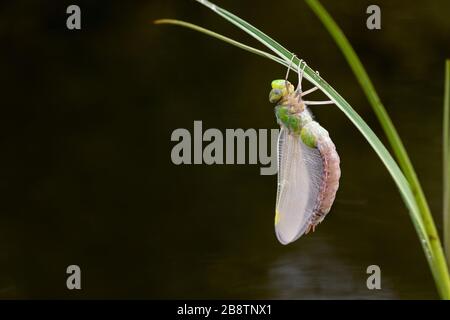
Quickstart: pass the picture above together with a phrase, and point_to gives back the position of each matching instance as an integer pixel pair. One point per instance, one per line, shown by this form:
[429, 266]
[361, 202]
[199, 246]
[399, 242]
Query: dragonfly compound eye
[280, 88]
[275, 95]
[282, 85]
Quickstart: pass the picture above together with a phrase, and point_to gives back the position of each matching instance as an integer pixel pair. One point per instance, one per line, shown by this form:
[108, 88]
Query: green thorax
[293, 121]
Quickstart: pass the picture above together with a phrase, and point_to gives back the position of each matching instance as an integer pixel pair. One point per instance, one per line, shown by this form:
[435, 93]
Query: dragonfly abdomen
[331, 174]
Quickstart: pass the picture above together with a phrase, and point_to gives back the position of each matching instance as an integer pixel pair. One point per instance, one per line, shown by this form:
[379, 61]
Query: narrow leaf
[446, 160]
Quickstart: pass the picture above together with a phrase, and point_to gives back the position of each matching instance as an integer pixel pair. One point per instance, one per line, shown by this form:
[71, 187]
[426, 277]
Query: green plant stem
[446, 161]
[220, 37]
[388, 127]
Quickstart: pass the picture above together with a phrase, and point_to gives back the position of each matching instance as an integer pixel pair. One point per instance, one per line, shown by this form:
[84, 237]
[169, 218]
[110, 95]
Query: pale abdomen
[330, 179]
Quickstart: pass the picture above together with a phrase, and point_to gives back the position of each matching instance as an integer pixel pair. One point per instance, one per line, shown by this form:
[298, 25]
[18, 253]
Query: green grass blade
[385, 121]
[220, 37]
[446, 161]
[439, 270]
[227, 40]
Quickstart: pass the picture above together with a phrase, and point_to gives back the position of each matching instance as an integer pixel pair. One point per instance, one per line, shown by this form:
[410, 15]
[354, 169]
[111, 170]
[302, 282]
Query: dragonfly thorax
[293, 120]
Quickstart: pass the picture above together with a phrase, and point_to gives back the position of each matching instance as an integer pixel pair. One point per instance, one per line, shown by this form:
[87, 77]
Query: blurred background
[86, 173]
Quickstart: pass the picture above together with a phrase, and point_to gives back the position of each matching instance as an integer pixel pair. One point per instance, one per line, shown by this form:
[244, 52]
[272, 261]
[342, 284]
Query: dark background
[87, 179]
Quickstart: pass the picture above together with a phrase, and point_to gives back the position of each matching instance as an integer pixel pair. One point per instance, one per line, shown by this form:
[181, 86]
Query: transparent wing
[300, 174]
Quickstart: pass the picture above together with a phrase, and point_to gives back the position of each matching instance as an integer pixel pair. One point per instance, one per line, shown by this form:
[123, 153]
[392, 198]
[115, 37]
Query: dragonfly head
[280, 89]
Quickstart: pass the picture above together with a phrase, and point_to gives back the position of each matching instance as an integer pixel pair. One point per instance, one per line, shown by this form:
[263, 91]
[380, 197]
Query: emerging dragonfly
[308, 164]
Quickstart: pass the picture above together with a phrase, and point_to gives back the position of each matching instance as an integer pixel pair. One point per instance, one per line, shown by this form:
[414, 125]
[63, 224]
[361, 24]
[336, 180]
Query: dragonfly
[308, 163]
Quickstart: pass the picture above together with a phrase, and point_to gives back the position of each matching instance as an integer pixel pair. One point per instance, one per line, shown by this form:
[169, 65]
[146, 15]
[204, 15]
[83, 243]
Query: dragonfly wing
[300, 175]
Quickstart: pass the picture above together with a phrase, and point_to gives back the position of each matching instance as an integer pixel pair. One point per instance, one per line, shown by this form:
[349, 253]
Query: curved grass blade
[446, 161]
[220, 37]
[439, 270]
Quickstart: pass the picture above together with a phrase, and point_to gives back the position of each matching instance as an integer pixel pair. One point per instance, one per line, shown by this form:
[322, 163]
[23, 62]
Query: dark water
[87, 177]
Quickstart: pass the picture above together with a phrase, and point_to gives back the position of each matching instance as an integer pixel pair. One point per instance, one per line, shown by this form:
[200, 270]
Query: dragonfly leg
[300, 71]
[287, 72]
[304, 93]
[316, 103]
[300, 75]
